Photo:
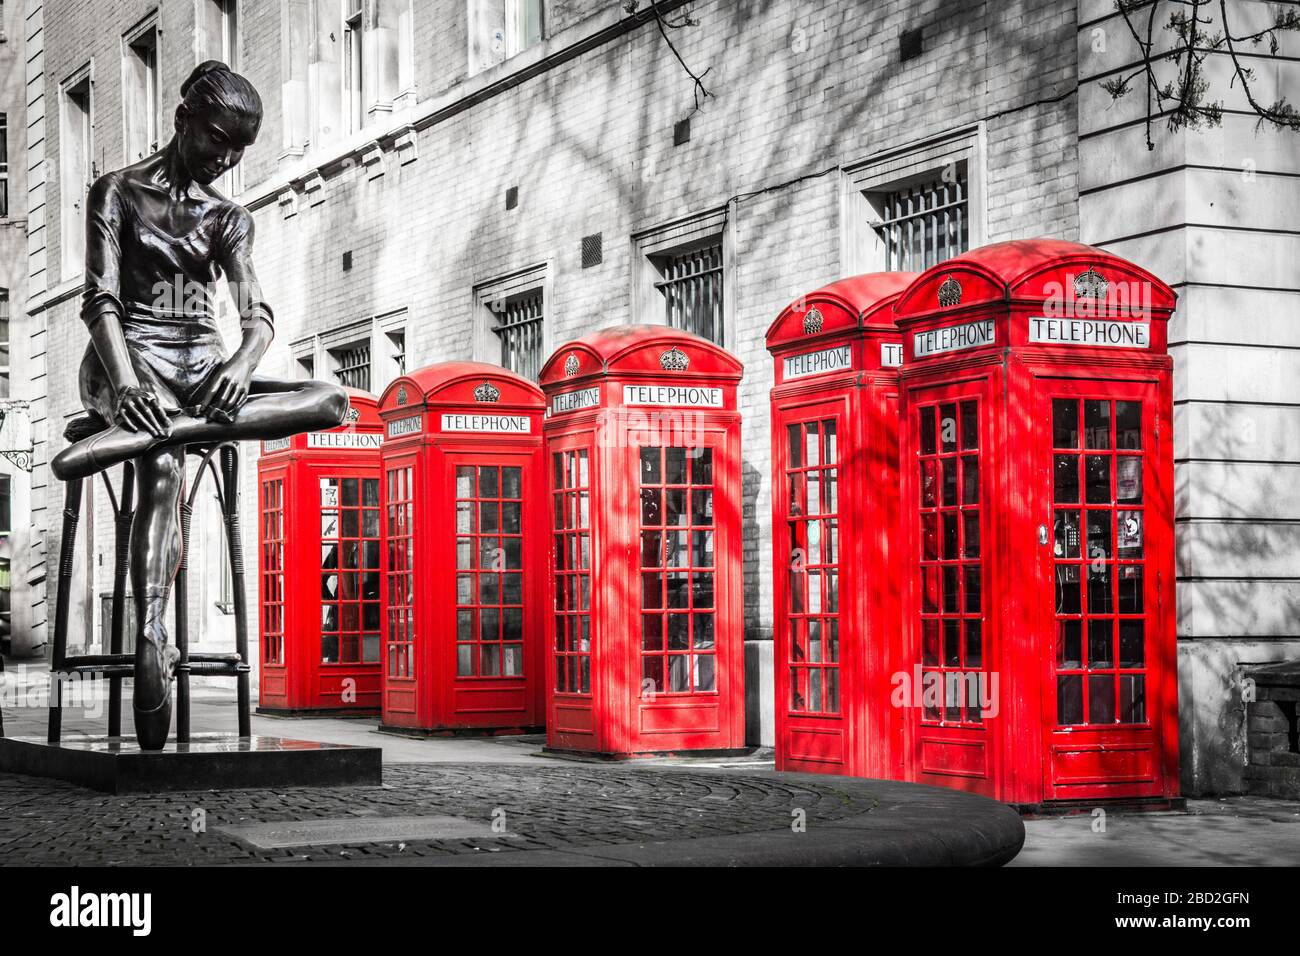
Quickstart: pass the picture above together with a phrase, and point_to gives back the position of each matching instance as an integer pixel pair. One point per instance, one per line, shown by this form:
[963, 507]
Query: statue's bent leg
[275, 409]
[155, 557]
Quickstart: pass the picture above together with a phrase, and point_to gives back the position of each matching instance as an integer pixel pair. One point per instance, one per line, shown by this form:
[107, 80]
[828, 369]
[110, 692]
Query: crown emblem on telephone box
[674, 360]
[1090, 285]
[812, 322]
[949, 292]
[571, 365]
[487, 392]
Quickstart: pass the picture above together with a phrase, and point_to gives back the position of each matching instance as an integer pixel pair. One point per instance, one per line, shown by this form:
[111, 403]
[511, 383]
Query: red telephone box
[464, 551]
[834, 527]
[643, 437]
[318, 564]
[1037, 517]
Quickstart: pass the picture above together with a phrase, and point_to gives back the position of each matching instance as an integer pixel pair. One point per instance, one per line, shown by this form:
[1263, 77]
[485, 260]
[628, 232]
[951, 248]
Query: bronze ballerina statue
[158, 236]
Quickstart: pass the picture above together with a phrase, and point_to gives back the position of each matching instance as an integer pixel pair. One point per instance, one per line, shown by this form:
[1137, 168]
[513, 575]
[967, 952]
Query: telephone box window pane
[512, 660]
[974, 644]
[1066, 534]
[970, 430]
[329, 648]
[650, 506]
[971, 532]
[1101, 699]
[1065, 423]
[465, 660]
[679, 678]
[652, 632]
[815, 642]
[1096, 423]
[652, 591]
[1065, 479]
[951, 643]
[1128, 479]
[949, 535]
[927, 431]
[675, 466]
[947, 428]
[950, 604]
[370, 648]
[1101, 644]
[949, 468]
[704, 638]
[970, 473]
[1098, 535]
[1132, 644]
[679, 638]
[793, 442]
[652, 674]
[972, 572]
[930, 537]
[812, 456]
[702, 595]
[930, 589]
[1067, 589]
[1097, 469]
[651, 549]
[1130, 589]
[1099, 591]
[1069, 699]
[929, 485]
[702, 468]
[930, 642]
[1132, 699]
[1128, 425]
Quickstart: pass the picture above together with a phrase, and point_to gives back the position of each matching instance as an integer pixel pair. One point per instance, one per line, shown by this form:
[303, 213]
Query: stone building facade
[433, 177]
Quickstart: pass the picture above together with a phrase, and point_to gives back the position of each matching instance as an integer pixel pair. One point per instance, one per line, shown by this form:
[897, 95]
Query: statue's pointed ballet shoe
[155, 665]
[110, 447]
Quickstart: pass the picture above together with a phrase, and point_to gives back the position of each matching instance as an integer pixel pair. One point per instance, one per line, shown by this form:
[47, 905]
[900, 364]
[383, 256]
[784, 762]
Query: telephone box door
[950, 691]
[1105, 673]
[681, 540]
[401, 479]
[493, 574]
[813, 690]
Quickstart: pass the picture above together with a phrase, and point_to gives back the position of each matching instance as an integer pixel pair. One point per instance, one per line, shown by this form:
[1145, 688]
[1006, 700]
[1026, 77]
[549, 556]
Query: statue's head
[218, 119]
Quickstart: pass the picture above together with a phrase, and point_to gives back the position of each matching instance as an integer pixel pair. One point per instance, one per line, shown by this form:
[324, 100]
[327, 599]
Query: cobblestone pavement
[49, 822]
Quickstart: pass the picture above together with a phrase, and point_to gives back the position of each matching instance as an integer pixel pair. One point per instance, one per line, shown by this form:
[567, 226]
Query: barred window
[353, 366]
[692, 290]
[924, 223]
[519, 327]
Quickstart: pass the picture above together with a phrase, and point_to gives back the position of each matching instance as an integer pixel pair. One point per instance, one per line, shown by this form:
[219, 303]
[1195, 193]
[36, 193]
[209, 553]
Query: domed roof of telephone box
[1034, 270]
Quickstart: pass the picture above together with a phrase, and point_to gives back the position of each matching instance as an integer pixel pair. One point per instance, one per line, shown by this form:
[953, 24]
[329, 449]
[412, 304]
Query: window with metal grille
[353, 368]
[519, 327]
[926, 222]
[692, 290]
[4, 165]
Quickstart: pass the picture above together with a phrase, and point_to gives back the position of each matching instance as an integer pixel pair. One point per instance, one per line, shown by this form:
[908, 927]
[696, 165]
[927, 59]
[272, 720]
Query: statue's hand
[227, 389]
[139, 410]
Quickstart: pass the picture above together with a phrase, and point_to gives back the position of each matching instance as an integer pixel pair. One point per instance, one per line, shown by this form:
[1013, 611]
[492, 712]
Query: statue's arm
[228, 388]
[102, 309]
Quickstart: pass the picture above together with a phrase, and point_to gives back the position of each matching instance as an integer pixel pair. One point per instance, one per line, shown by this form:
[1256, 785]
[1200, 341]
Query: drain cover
[271, 836]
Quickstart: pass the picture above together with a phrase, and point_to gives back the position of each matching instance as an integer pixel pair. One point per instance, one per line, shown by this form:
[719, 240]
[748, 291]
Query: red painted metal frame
[584, 381]
[424, 434]
[865, 736]
[301, 683]
[1020, 754]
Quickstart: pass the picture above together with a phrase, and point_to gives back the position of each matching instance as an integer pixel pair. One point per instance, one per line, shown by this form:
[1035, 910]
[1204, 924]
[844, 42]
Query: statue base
[209, 761]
